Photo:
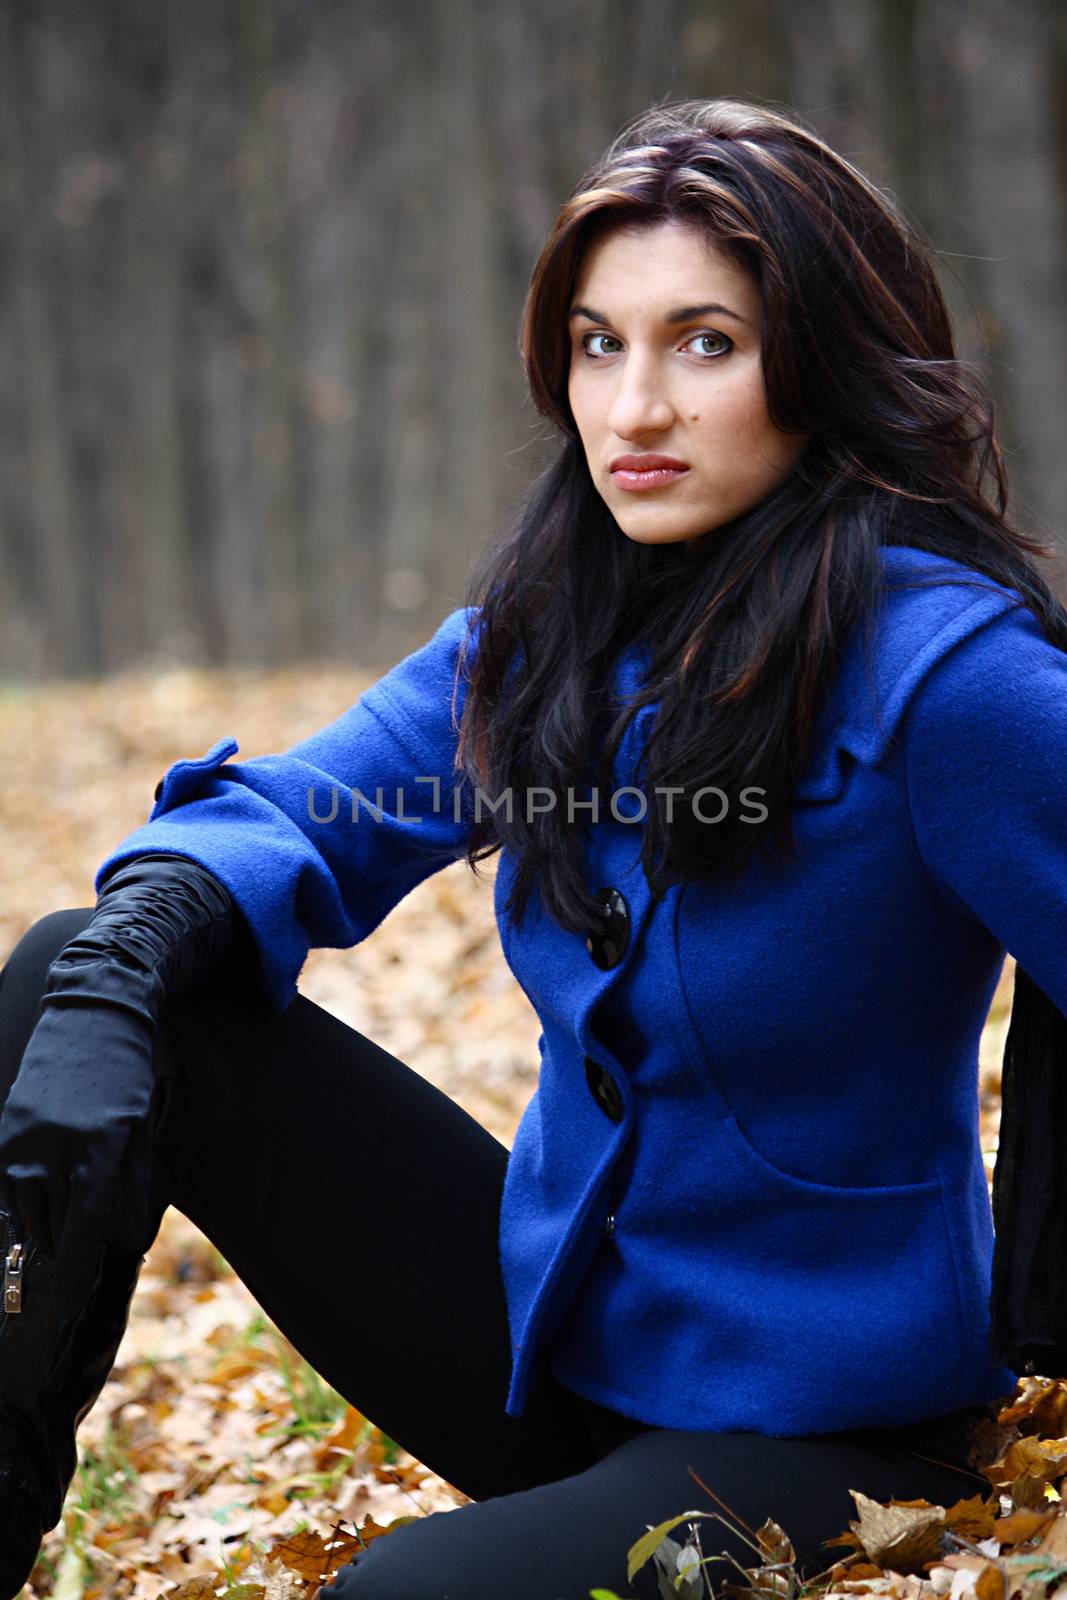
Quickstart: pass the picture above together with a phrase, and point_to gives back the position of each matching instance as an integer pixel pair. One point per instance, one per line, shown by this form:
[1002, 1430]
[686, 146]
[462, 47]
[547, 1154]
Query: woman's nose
[641, 401]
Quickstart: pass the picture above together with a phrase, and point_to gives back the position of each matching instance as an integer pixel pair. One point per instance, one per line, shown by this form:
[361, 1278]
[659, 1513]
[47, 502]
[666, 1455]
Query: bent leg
[357, 1202]
[562, 1539]
[360, 1205]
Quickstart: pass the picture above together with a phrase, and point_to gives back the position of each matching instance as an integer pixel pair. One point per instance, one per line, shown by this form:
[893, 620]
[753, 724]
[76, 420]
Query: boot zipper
[13, 1264]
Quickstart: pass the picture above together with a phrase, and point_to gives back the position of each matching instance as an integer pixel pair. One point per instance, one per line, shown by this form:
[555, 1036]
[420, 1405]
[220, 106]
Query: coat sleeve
[985, 751]
[318, 843]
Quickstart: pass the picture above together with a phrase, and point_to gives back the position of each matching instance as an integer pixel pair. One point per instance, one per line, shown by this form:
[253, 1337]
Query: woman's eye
[723, 341]
[585, 343]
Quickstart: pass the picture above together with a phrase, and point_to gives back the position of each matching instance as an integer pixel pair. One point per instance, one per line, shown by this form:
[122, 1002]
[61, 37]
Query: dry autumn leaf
[305, 1554]
[903, 1535]
[990, 1583]
[774, 1542]
[1027, 1466]
[1022, 1525]
[973, 1518]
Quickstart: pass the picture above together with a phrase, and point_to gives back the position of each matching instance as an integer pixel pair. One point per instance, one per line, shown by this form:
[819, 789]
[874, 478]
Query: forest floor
[216, 1459]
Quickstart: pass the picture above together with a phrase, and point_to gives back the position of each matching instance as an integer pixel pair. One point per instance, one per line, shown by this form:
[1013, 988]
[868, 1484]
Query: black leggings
[359, 1204]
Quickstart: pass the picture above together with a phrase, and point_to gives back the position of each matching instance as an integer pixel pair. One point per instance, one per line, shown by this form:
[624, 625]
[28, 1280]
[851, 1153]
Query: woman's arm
[309, 863]
[985, 751]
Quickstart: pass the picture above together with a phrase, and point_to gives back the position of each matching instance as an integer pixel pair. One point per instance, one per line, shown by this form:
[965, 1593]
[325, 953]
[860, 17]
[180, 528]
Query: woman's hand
[75, 1150]
[75, 1131]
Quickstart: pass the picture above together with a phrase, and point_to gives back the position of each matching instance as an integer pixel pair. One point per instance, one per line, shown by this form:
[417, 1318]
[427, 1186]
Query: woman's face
[665, 360]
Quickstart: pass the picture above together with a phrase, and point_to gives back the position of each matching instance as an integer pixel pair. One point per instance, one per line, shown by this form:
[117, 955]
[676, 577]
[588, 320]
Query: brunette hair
[744, 634]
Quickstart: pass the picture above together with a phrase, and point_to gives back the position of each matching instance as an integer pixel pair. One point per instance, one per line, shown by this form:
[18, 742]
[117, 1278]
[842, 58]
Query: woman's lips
[652, 478]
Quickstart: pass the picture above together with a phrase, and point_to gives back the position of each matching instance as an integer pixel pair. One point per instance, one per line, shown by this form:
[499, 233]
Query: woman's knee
[43, 940]
[23, 977]
[423, 1561]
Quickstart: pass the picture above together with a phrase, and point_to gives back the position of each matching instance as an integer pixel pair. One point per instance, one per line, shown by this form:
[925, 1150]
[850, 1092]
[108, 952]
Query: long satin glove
[75, 1135]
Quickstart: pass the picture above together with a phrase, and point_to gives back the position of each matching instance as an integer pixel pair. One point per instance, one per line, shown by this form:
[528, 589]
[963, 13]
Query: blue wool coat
[748, 1193]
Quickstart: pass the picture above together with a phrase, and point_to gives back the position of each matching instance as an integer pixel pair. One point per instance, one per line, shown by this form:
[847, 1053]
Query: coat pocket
[923, 1186]
[761, 1301]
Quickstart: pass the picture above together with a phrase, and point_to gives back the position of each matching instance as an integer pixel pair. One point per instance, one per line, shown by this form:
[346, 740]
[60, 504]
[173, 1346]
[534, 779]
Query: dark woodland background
[262, 264]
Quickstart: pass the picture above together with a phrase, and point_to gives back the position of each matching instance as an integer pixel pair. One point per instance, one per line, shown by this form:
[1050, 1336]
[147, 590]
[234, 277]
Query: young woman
[764, 704]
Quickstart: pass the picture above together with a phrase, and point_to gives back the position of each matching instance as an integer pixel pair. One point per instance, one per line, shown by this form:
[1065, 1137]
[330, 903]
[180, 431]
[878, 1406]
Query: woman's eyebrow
[682, 314]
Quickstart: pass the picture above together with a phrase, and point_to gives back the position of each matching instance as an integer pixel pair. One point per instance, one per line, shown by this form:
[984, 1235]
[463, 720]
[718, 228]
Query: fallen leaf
[1021, 1525]
[903, 1535]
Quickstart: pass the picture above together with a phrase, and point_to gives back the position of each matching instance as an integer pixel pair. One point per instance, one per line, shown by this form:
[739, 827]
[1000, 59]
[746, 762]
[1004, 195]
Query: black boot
[51, 1373]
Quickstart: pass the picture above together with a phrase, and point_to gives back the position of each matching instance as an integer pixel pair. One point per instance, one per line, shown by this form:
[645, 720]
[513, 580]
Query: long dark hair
[744, 633]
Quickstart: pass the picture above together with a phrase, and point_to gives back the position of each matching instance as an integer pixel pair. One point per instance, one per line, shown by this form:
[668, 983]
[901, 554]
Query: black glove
[75, 1135]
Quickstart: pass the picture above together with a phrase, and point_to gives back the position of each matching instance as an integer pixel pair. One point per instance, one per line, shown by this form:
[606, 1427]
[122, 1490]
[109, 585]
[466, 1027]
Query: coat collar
[913, 628]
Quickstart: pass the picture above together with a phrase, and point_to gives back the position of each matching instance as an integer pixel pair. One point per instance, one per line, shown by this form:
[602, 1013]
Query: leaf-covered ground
[215, 1458]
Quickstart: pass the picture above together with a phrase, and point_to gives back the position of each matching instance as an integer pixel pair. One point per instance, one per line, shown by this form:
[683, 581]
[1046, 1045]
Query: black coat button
[607, 944]
[604, 1089]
